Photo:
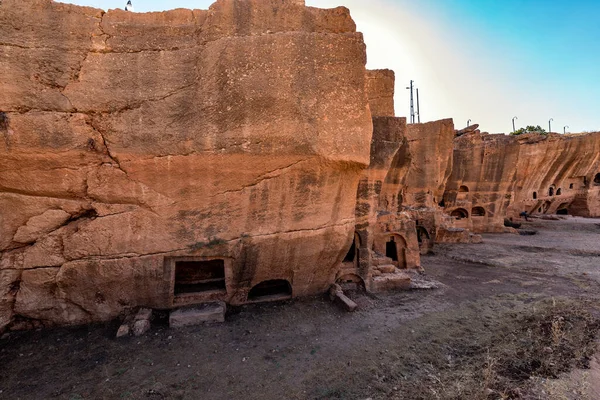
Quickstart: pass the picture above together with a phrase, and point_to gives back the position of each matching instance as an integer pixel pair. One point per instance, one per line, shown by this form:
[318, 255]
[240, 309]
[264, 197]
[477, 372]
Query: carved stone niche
[195, 280]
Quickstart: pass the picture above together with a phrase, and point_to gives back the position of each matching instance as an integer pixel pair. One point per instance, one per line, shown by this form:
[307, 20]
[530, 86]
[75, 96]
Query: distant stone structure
[558, 174]
[234, 155]
[397, 214]
[499, 176]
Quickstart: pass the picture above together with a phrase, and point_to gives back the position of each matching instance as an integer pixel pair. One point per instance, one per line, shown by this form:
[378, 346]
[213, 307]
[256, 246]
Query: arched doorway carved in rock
[459, 213]
[354, 253]
[478, 211]
[395, 248]
[351, 282]
[274, 289]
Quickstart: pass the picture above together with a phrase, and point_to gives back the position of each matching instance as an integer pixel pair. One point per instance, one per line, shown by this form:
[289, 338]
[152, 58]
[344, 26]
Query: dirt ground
[514, 317]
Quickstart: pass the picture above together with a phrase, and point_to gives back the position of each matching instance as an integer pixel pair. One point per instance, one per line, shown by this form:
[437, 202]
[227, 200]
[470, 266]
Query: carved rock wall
[131, 141]
[482, 180]
[396, 215]
[379, 216]
[431, 146]
[385, 241]
[562, 172]
[380, 89]
[498, 176]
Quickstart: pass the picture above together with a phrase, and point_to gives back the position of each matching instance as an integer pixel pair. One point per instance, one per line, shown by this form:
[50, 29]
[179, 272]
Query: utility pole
[418, 109]
[565, 129]
[513, 120]
[412, 108]
[468, 123]
[550, 125]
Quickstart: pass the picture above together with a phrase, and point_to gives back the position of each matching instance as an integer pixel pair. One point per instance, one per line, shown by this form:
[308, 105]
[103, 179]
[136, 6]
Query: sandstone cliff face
[139, 148]
[498, 176]
[385, 241]
[380, 89]
[558, 174]
[396, 212]
[431, 145]
[385, 234]
[482, 181]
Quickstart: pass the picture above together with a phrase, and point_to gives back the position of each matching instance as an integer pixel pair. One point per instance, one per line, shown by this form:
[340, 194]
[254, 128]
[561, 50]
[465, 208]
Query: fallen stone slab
[137, 324]
[198, 314]
[387, 269]
[396, 281]
[345, 302]
[140, 327]
[475, 238]
[125, 328]
[336, 294]
[333, 289]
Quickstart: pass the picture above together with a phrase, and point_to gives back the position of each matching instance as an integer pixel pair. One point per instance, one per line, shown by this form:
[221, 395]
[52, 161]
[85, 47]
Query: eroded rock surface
[380, 89]
[131, 141]
[558, 174]
[498, 176]
[397, 216]
[480, 188]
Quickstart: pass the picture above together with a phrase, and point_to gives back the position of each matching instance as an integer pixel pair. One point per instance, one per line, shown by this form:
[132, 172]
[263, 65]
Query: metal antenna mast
[412, 107]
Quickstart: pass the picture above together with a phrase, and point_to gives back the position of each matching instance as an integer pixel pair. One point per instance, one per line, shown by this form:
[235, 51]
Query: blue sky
[484, 60]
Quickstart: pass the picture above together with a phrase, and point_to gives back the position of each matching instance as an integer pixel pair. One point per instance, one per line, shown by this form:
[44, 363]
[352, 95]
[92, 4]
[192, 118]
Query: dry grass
[499, 357]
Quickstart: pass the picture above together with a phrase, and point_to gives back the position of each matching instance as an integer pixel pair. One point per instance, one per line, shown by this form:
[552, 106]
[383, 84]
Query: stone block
[123, 330]
[345, 302]
[140, 327]
[143, 314]
[196, 315]
[474, 238]
[337, 294]
[396, 281]
[387, 268]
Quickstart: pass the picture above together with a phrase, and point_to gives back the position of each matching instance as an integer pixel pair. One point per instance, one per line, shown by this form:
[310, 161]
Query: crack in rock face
[41, 225]
[3, 122]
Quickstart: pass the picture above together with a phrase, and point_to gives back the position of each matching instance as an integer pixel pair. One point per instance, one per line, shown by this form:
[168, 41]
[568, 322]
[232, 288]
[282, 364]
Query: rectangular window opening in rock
[198, 276]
